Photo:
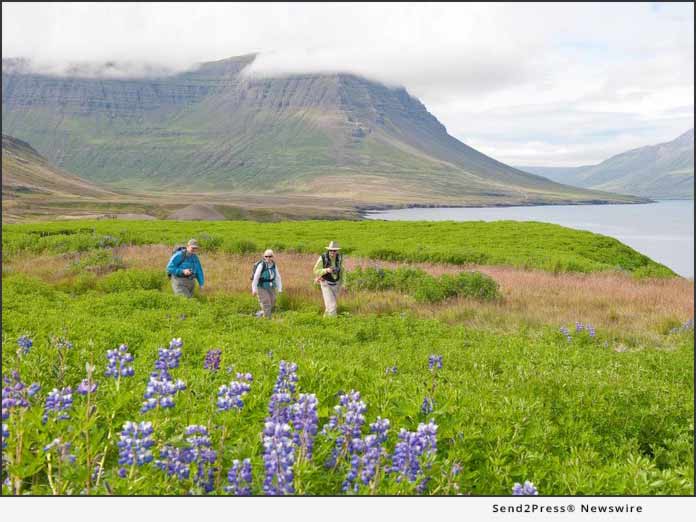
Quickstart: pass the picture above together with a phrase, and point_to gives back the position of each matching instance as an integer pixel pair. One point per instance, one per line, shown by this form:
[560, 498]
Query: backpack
[177, 249]
[261, 280]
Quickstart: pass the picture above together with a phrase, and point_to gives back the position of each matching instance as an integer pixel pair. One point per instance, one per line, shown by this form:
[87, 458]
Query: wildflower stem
[221, 447]
[50, 474]
[18, 453]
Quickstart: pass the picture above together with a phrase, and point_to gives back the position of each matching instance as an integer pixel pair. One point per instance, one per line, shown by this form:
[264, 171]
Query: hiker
[264, 283]
[328, 270]
[184, 268]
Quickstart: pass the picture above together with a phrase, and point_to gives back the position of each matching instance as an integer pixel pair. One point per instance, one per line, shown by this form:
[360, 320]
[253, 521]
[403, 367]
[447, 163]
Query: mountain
[26, 172]
[656, 171]
[336, 136]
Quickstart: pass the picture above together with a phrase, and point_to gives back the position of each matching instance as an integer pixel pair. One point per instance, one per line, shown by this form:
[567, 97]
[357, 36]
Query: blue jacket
[183, 260]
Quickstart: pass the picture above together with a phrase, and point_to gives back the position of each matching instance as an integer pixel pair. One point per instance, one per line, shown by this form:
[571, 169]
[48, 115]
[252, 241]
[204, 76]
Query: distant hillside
[214, 129]
[26, 172]
[657, 171]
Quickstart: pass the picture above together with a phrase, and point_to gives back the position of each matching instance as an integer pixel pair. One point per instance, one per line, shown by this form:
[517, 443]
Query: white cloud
[545, 83]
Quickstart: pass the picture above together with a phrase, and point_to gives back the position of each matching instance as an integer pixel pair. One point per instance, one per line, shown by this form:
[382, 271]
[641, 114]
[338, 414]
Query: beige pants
[330, 294]
[267, 300]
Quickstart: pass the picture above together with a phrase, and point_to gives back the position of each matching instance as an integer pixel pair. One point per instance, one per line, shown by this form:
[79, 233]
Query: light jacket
[276, 283]
[183, 260]
[319, 269]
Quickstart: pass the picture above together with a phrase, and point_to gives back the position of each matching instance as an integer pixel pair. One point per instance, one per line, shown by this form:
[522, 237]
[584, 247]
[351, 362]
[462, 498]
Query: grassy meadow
[604, 409]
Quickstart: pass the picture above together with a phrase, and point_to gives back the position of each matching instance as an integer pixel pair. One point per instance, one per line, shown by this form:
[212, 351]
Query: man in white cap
[264, 283]
[328, 270]
[184, 268]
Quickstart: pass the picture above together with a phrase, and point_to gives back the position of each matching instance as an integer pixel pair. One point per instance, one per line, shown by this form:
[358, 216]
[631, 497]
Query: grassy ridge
[574, 417]
[520, 244]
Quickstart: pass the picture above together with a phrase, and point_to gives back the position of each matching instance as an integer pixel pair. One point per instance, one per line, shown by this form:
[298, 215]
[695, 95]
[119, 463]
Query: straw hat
[333, 246]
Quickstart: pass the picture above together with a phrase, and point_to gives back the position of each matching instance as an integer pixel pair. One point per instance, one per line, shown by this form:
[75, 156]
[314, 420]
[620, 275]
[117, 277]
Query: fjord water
[663, 231]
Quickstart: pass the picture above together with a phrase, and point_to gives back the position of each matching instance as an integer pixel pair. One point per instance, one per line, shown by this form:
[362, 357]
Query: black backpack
[177, 249]
[261, 280]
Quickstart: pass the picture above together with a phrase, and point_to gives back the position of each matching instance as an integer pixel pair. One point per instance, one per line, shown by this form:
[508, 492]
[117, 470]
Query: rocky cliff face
[216, 128]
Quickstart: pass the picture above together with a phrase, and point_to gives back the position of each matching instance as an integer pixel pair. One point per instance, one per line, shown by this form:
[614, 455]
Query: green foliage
[576, 418]
[422, 286]
[520, 244]
[99, 262]
[124, 280]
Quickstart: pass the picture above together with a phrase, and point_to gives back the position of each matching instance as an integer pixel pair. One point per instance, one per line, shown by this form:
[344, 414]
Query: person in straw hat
[185, 268]
[264, 283]
[328, 271]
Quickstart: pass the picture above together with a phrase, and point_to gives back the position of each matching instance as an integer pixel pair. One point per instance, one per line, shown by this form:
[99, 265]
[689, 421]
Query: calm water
[663, 231]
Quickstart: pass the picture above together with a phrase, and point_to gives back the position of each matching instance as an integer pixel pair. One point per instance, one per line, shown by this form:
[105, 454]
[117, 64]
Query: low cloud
[564, 84]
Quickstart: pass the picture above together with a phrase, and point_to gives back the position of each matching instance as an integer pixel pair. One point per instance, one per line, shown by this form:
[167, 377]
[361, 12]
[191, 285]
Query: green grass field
[584, 416]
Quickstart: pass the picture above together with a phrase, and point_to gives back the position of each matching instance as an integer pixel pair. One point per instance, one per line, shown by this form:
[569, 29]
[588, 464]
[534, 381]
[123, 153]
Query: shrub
[123, 280]
[422, 286]
[99, 262]
[239, 246]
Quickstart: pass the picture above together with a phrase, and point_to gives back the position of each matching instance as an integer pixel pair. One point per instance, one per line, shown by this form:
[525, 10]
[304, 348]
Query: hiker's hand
[253, 292]
[187, 271]
[329, 270]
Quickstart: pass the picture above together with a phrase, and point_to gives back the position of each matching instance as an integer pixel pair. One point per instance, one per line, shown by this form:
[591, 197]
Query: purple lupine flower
[58, 401]
[160, 391]
[15, 394]
[428, 406]
[168, 358]
[287, 378]
[203, 456]
[368, 456]
[246, 377]
[239, 478]
[591, 330]
[119, 362]
[134, 444]
[391, 370]
[86, 387]
[230, 396]
[413, 454]
[304, 419]
[435, 362]
[283, 392]
[566, 333]
[278, 459]
[528, 489]
[212, 360]
[5, 435]
[347, 422]
[25, 344]
[34, 388]
[175, 461]
[62, 449]
[578, 326]
[176, 343]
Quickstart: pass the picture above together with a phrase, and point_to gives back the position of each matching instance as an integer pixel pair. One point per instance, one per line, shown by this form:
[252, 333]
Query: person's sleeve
[257, 276]
[319, 269]
[279, 279]
[199, 272]
[173, 265]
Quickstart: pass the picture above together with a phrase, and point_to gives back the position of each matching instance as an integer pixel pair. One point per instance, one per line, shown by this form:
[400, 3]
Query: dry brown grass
[610, 301]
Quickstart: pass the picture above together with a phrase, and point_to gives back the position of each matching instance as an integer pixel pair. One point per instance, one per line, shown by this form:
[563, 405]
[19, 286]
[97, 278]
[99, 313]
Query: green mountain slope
[210, 129]
[657, 171]
[26, 172]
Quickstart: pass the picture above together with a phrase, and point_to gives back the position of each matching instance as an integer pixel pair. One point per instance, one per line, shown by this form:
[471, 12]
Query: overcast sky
[529, 84]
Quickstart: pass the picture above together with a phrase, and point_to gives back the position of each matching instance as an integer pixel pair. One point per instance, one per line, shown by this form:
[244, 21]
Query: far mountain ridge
[212, 128]
[665, 170]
